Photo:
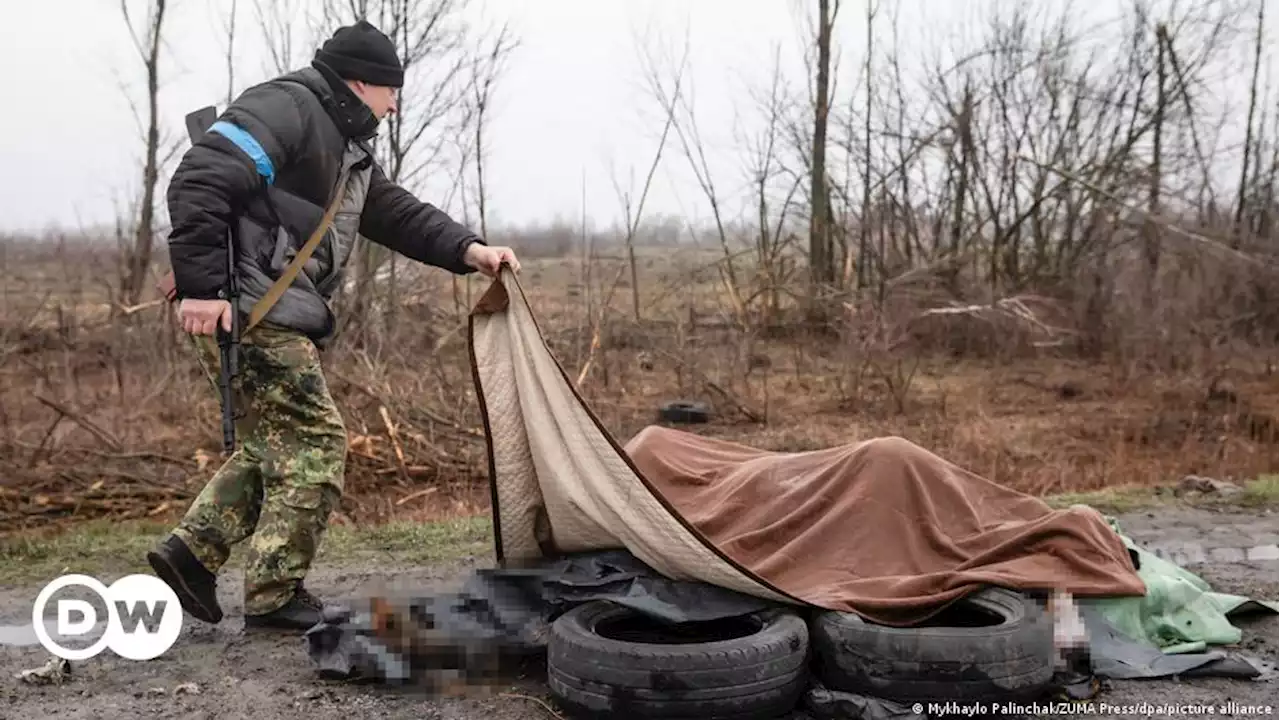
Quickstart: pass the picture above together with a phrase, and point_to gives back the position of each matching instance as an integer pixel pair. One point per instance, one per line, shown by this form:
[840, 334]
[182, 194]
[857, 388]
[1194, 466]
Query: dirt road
[271, 677]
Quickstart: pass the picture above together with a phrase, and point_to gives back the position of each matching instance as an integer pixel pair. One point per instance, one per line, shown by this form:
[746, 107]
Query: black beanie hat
[361, 52]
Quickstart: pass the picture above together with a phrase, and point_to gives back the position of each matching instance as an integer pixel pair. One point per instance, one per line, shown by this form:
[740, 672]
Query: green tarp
[1180, 613]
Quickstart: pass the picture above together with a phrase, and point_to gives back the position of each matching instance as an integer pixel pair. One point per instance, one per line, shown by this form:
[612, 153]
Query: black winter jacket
[303, 121]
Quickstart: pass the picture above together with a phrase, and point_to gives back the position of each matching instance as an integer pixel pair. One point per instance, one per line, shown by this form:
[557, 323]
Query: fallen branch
[412, 411]
[155, 484]
[416, 495]
[362, 454]
[431, 415]
[136, 455]
[395, 443]
[415, 471]
[131, 309]
[140, 455]
[82, 421]
[731, 399]
[429, 446]
[1012, 307]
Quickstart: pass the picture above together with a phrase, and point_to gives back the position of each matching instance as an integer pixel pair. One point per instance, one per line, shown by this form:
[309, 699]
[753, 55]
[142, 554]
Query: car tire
[994, 644]
[685, 412]
[608, 661]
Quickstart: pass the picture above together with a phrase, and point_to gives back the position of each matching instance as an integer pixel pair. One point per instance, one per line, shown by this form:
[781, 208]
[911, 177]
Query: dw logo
[144, 618]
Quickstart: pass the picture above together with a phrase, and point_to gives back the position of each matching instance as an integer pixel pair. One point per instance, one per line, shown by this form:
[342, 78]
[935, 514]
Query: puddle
[1190, 552]
[25, 635]
[18, 635]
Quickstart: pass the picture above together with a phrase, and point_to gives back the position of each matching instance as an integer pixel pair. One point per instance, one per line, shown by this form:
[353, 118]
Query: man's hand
[201, 317]
[489, 259]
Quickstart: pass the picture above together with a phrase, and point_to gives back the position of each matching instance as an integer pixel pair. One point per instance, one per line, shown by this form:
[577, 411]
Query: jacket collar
[354, 119]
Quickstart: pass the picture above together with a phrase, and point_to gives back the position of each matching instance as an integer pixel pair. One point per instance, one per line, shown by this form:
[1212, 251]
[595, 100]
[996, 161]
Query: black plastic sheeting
[508, 612]
[1116, 656]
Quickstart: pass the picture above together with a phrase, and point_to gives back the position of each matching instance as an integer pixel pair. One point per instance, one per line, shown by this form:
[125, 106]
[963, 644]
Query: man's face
[380, 99]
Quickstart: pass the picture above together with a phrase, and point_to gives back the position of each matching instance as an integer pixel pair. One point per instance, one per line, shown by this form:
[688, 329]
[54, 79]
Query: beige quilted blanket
[880, 527]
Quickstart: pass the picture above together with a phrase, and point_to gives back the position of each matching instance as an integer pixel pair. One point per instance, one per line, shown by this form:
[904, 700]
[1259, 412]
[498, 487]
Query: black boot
[302, 612]
[195, 586]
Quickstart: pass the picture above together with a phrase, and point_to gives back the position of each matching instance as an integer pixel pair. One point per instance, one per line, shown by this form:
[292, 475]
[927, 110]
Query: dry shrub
[109, 414]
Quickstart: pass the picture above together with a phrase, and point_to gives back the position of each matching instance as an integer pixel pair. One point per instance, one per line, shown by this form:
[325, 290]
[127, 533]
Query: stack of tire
[993, 646]
[608, 661]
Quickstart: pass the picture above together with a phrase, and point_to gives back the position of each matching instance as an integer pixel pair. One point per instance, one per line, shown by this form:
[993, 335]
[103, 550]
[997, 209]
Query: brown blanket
[879, 527]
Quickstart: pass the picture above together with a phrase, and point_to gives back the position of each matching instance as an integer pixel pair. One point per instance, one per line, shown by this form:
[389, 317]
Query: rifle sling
[273, 294]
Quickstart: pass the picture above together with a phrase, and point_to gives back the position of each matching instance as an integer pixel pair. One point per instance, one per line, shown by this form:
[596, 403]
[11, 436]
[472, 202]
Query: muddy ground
[270, 677]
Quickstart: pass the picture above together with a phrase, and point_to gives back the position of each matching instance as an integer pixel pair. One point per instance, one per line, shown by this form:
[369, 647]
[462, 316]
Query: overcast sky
[570, 106]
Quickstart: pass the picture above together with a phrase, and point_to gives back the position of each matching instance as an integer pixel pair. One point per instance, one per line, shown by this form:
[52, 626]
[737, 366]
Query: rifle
[198, 122]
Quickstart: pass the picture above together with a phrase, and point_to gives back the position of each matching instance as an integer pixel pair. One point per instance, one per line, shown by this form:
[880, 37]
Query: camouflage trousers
[286, 474]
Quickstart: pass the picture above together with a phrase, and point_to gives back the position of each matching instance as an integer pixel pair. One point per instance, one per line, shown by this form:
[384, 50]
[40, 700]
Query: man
[267, 170]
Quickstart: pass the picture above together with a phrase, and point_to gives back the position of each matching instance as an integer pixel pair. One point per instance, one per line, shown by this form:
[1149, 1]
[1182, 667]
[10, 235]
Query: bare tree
[281, 23]
[1151, 232]
[230, 27]
[678, 99]
[631, 217]
[1248, 122]
[485, 71]
[864, 228]
[821, 257]
[147, 44]
[769, 177]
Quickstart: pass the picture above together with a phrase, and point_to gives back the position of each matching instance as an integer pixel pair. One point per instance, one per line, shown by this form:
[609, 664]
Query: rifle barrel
[229, 347]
